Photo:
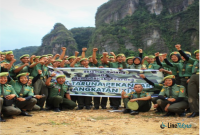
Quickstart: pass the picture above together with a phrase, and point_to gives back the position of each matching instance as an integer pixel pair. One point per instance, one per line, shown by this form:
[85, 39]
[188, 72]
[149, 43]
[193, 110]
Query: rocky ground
[90, 122]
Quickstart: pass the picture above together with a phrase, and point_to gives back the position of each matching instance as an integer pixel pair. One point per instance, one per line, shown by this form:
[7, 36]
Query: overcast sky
[24, 22]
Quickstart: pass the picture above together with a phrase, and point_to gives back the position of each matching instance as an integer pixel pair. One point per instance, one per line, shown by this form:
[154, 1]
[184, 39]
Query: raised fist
[53, 74]
[164, 55]
[140, 50]
[84, 49]
[33, 56]
[64, 48]
[178, 47]
[95, 49]
[157, 54]
[142, 76]
[112, 53]
[105, 53]
[26, 64]
[76, 53]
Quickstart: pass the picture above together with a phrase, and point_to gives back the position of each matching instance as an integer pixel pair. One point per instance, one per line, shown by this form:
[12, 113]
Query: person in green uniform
[23, 67]
[120, 64]
[141, 97]
[185, 70]
[152, 64]
[58, 92]
[36, 59]
[172, 98]
[129, 62]
[175, 58]
[2, 55]
[98, 100]
[10, 60]
[25, 101]
[7, 92]
[111, 59]
[39, 86]
[193, 83]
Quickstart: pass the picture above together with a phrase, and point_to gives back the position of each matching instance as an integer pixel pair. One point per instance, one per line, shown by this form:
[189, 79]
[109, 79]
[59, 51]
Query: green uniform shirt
[24, 70]
[57, 89]
[104, 65]
[116, 65]
[11, 72]
[8, 89]
[188, 68]
[153, 66]
[133, 95]
[177, 91]
[35, 69]
[28, 91]
[129, 66]
[195, 63]
[174, 69]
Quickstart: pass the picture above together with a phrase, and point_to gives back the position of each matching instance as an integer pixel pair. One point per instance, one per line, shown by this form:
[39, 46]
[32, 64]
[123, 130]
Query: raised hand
[142, 76]
[95, 49]
[84, 49]
[140, 50]
[178, 47]
[64, 48]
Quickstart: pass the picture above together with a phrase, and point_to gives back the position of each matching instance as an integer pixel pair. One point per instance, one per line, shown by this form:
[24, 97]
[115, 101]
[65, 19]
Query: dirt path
[90, 122]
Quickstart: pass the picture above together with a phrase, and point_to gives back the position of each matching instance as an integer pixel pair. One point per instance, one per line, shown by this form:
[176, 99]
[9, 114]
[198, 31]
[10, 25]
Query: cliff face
[57, 38]
[154, 25]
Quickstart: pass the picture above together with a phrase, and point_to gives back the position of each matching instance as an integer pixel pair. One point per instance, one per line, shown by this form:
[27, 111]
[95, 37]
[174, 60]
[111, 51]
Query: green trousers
[40, 89]
[10, 110]
[193, 93]
[178, 107]
[144, 105]
[28, 104]
[100, 101]
[58, 100]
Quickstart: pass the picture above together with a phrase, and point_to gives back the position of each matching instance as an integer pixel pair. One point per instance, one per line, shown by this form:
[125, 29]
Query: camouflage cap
[23, 74]
[121, 54]
[188, 53]
[36, 57]
[197, 51]
[132, 105]
[50, 55]
[174, 53]
[25, 55]
[9, 52]
[72, 57]
[60, 76]
[4, 74]
[43, 56]
[83, 59]
[30, 77]
[169, 77]
[151, 56]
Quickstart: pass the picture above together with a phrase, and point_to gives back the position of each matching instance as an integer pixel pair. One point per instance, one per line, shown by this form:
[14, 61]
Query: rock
[194, 125]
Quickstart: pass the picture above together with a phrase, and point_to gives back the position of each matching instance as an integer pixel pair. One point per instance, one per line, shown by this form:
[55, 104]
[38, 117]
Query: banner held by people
[105, 82]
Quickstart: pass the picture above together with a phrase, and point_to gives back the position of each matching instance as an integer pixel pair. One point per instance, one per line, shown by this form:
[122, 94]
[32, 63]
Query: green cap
[30, 77]
[174, 53]
[3, 53]
[72, 57]
[25, 55]
[106, 56]
[169, 77]
[89, 57]
[9, 52]
[132, 105]
[50, 55]
[188, 53]
[121, 54]
[83, 59]
[43, 56]
[60, 76]
[58, 60]
[23, 74]
[36, 57]
[151, 56]
[197, 51]
[130, 58]
[111, 57]
[160, 54]
[4, 74]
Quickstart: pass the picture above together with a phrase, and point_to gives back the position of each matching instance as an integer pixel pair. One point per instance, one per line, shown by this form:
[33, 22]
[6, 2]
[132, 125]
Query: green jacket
[24, 70]
[133, 95]
[195, 63]
[8, 89]
[57, 89]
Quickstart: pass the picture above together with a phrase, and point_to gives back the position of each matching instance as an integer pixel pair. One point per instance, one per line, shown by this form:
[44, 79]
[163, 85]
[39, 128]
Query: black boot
[79, 108]
[126, 111]
[103, 107]
[2, 119]
[169, 114]
[193, 114]
[115, 108]
[182, 114]
[96, 108]
[56, 109]
[88, 107]
[134, 112]
[25, 113]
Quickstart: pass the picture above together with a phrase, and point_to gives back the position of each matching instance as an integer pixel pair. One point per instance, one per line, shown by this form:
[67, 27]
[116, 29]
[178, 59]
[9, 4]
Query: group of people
[28, 86]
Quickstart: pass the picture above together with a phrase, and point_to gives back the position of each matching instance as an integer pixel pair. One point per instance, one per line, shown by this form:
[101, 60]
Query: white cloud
[35, 18]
